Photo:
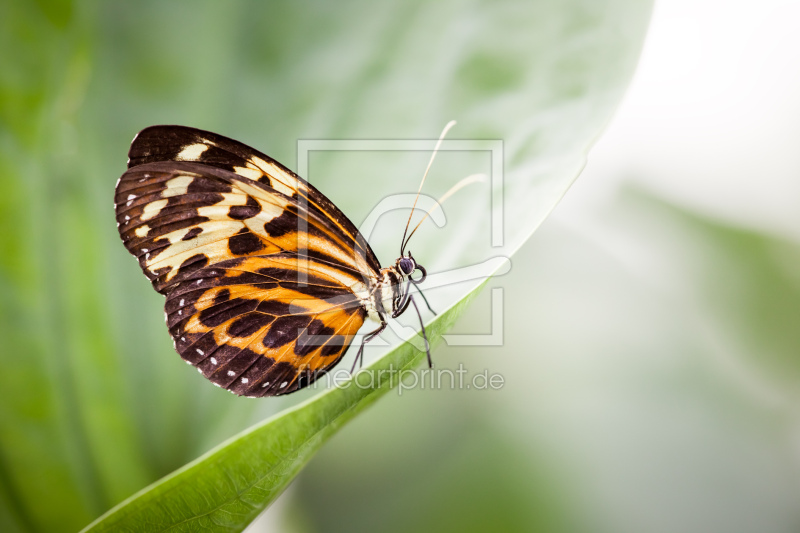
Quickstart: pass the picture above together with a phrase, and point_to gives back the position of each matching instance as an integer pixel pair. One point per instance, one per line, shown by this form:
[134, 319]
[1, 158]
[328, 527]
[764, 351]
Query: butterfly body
[266, 281]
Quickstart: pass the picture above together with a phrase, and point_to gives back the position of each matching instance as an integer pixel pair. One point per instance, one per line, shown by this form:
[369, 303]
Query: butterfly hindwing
[259, 326]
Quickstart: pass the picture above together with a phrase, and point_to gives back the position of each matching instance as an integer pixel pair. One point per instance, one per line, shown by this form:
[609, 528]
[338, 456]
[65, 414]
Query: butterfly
[266, 281]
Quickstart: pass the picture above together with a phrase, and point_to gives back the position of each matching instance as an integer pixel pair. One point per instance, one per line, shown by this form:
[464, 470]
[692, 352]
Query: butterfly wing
[180, 143]
[176, 217]
[295, 266]
[261, 326]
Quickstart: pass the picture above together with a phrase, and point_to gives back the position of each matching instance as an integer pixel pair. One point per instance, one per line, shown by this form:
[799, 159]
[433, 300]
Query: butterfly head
[395, 284]
[406, 266]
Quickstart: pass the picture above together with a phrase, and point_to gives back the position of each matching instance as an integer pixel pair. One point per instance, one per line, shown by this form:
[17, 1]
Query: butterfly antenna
[433, 155]
[474, 178]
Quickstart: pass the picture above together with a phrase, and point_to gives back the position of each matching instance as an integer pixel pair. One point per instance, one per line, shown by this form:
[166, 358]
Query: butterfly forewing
[265, 279]
[178, 143]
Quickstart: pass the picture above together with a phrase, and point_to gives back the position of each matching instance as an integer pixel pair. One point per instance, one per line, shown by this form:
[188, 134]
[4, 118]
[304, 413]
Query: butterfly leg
[368, 337]
[426, 301]
[424, 336]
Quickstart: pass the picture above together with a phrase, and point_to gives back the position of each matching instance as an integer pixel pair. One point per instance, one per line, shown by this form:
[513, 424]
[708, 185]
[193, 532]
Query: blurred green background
[650, 327]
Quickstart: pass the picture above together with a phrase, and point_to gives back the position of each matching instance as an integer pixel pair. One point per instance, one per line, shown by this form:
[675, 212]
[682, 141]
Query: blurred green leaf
[746, 282]
[94, 402]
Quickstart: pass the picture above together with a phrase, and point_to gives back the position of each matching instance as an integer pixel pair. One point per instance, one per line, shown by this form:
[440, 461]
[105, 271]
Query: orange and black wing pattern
[257, 326]
[265, 278]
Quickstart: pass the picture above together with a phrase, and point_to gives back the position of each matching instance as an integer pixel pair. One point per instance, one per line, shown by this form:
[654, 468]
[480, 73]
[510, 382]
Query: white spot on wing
[281, 187]
[181, 302]
[141, 231]
[213, 360]
[192, 152]
[200, 351]
[177, 186]
[131, 197]
[249, 172]
[265, 385]
[231, 373]
[245, 380]
[284, 384]
[153, 208]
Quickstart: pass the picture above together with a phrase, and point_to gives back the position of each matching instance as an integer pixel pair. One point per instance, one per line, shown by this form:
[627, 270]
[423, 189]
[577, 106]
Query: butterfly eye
[407, 266]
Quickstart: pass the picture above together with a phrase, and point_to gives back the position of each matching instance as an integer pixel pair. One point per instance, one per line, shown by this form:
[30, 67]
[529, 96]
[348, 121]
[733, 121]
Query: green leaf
[225, 489]
[95, 404]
